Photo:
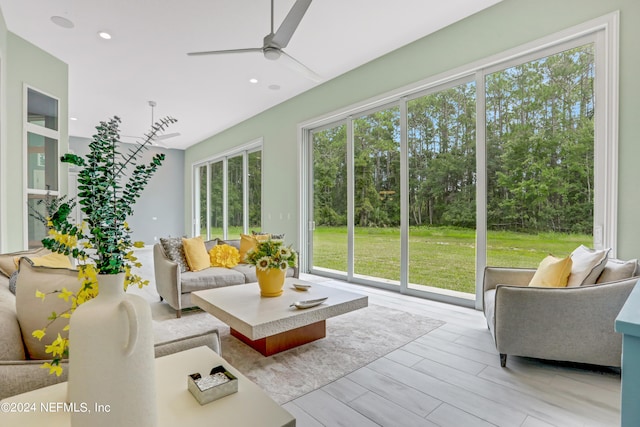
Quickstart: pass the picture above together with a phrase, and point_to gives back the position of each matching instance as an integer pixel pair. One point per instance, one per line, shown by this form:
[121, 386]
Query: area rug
[353, 340]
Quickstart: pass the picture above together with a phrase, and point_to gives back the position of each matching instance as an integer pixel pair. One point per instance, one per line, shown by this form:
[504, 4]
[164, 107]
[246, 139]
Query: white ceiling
[146, 58]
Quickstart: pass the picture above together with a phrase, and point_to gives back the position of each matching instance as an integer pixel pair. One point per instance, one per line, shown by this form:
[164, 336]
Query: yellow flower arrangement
[271, 254]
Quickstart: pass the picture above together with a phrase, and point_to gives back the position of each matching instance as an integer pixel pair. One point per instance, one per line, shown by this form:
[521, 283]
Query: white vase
[111, 359]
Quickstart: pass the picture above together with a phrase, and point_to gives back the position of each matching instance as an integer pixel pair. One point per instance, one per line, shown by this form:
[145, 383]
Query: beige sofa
[566, 324]
[175, 287]
[19, 374]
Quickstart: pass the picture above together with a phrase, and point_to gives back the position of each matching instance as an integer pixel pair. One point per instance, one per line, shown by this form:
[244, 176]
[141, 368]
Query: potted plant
[110, 335]
[272, 260]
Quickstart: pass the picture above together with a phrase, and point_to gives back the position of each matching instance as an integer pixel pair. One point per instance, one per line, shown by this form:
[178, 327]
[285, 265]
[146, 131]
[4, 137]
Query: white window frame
[604, 33]
[244, 151]
[41, 131]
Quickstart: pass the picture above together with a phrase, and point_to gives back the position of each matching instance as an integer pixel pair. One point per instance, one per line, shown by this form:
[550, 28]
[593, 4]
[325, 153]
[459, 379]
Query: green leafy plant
[106, 195]
[271, 254]
[110, 182]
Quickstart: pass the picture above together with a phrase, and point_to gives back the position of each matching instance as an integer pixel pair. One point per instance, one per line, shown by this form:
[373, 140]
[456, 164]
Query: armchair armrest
[494, 276]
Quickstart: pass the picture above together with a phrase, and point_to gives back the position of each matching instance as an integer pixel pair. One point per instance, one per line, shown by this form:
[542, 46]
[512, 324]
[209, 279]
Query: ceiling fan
[158, 138]
[274, 43]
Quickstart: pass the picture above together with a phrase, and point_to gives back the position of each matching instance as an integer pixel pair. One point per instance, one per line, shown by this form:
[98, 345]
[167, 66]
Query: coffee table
[270, 325]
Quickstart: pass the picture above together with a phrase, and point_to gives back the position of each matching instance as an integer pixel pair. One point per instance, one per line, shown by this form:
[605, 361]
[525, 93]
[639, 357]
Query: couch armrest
[210, 339]
[21, 376]
[167, 277]
[574, 324]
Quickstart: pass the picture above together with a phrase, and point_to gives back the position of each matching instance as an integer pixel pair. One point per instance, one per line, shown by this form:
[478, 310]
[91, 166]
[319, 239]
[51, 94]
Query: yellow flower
[39, 333]
[40, 295]
[53, 369]
[65, 294]
[57, 347]
[138, 244]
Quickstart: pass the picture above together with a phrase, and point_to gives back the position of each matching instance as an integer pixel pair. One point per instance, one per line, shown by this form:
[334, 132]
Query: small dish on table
[308, 303]
[301, 286]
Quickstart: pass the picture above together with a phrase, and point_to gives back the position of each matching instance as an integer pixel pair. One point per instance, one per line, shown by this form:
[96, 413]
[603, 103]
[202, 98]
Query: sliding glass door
[442, 189]
[497, 167]
[376, 180]
[329, 219]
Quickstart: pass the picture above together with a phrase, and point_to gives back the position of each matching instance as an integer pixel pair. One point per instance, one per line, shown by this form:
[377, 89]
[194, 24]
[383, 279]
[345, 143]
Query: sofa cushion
[552, 272]
[212, 277]
[616, 269]
[9, 264]
[12, 282]
[224, 256]
[196, 253]
[248, 243]
[11, 347]
[173, 249]
[53, 259]
[33, 312]
[587, 265]
[210, 244]
[273, 236]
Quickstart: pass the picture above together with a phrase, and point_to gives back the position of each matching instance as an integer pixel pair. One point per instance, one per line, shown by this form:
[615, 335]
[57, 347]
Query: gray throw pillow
[175, 252]
[273, 236]
[12, 282]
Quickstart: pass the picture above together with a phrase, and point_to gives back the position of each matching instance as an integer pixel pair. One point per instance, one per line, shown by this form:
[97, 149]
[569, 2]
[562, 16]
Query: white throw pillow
[587, 265]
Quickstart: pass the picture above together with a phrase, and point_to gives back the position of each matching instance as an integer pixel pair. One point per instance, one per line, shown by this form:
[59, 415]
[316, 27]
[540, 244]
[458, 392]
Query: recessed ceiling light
[61, 22]
[274, 87]
[254, 81]
[105, 35]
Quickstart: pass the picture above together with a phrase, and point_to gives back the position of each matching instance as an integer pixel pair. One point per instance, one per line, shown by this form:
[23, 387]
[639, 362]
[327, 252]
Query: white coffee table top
[242, 308]
[248, 407]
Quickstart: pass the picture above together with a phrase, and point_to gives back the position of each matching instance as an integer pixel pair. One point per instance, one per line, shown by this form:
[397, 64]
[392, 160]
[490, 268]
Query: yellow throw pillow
[9, 262]
[54, 260]
[196, 253]
[249, 242]
[552, 272]
[224, 256]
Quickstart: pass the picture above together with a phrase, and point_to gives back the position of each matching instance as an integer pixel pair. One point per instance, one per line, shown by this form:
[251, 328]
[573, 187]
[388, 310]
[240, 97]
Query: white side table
[249, 407]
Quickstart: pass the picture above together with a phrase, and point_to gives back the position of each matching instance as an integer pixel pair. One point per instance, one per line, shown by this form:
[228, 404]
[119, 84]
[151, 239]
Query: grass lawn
[442, 257]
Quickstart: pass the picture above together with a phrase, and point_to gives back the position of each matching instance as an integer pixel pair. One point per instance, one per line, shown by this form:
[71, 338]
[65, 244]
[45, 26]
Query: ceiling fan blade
[167, 136]
[296, 65]
[288, 27]
[217, 52]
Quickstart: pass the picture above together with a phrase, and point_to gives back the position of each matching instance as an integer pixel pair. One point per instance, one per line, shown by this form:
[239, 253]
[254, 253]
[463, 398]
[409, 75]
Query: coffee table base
[285, 340]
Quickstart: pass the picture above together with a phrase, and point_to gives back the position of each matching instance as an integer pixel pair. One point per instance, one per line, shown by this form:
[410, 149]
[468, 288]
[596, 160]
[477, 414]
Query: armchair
[568, 324]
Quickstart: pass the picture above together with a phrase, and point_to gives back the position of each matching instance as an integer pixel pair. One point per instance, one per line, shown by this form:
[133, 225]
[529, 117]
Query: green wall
[3, 129]
[24, 63]
[506, 25]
